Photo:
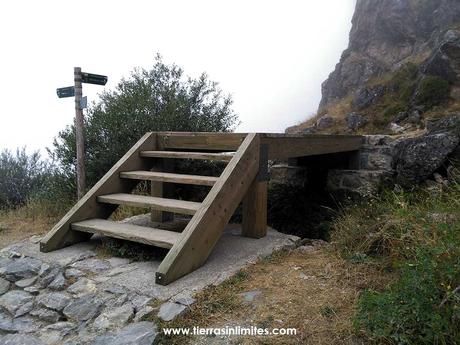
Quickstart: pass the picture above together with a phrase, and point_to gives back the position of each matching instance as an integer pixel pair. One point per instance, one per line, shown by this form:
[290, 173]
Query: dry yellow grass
[314, 292]
[22, 223]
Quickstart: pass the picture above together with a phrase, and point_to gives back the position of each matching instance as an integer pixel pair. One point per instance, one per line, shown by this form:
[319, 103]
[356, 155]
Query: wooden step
[161, 204]
[169, 177]
[130, 232]
[219, 156]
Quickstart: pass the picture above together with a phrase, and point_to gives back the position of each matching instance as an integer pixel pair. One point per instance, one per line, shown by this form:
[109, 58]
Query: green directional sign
[68, 91]
[91, 78]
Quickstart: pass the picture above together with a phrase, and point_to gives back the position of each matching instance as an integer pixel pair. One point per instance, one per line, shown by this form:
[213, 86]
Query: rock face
[387, 34]
[416, 159]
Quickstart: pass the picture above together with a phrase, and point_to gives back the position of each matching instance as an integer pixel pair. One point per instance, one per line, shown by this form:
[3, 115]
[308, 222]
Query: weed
[328, 311]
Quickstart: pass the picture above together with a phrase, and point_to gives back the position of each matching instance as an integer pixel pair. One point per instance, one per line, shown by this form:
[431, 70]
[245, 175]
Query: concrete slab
[232, 253]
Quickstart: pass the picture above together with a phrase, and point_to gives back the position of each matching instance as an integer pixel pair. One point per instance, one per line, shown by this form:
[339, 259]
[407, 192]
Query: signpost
[80, 103]
[63, 92]
[91, 78]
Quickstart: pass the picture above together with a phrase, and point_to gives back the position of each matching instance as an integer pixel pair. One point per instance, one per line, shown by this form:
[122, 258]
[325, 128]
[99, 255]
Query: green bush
[416, 235]
[423, 306]
[22, 175]
[159, 99]
[432, 91]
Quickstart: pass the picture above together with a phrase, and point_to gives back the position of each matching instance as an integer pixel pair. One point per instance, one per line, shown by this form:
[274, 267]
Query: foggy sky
[270, 55]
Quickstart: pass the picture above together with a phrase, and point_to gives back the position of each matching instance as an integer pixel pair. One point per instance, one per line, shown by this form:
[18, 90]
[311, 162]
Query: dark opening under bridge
[244, 180]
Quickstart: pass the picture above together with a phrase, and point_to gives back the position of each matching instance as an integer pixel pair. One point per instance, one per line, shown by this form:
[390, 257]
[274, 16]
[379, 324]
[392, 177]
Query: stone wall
[405, 160]
[371, 169]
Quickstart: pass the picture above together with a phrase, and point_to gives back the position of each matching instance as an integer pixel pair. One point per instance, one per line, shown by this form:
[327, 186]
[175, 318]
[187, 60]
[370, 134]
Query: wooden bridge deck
[280, 145]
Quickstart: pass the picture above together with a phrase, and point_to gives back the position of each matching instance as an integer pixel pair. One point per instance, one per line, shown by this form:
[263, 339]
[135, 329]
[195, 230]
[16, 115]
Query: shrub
[22, 175]
[416, 235]
[432, 91]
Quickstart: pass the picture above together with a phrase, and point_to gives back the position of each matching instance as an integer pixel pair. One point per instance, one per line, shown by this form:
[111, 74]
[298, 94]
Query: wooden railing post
[255, 201]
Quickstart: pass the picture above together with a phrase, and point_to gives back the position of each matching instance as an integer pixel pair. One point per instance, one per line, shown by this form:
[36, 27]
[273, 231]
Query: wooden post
[162, 190]
[80, 135]
[255, 201]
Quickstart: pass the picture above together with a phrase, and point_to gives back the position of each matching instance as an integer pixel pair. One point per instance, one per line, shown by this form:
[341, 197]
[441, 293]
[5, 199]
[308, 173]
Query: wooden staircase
[243, 180]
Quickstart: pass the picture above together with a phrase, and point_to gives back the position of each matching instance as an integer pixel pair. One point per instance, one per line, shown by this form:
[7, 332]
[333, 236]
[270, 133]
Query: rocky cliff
[403, 56]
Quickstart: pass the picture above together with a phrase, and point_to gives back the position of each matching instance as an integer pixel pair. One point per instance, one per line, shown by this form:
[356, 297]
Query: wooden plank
[163, 204]
[203, 140]
[255, 210]
[87, 207]
[170, 177]
[130, 232]
[205, 228]
[284, 147]
[221, 156]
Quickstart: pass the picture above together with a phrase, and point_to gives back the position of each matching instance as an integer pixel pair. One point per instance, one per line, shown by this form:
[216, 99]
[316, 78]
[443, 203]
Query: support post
[255, 201]
[162, 190]
[80, 135]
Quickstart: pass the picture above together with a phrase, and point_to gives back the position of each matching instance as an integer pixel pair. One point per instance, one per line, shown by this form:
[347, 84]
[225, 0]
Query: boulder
[139, 333]
[4, 286]
[396, 129]
[22, 268]
[417, 158]
[355, 121]
[449, 124]
[82, 287]
[309, 130]
[54, 300]
[92, 265]
[55, 333]
[17, 302]
[367, 96]
[114, 317]
[46, 315]
[84, 308]
[170, 310]
[324, 122]
[20, 339]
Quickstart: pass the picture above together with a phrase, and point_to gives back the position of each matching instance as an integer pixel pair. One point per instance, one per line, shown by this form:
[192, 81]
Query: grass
[415, 235]
[319, 306]
[35, 218]
[389, 226]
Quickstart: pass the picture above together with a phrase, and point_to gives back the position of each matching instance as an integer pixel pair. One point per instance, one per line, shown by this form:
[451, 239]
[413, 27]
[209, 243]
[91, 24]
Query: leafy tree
[159, 99]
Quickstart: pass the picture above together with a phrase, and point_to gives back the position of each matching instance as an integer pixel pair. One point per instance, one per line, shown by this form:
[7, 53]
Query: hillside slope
[403, 57]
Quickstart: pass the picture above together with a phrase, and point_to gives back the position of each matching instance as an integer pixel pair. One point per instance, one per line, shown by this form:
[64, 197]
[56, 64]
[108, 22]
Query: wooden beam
[87, 207]
[221, 156]
[200, 141]
[255, 210]
[286, 146]
[205, 228]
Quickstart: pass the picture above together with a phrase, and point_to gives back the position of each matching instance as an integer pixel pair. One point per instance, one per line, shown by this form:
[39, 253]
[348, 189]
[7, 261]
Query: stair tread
[131, 232]
[162, 204]
[170, 177]
[216, 156]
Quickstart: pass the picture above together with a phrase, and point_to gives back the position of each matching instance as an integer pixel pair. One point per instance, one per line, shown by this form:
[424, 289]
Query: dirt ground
[313, 291]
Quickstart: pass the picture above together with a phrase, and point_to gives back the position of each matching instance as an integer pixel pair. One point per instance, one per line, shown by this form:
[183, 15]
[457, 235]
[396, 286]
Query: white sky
[270, 55]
